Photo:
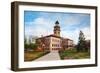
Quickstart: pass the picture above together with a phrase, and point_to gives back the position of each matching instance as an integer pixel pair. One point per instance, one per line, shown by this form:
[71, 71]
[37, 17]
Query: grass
[32, 55]
[73, 54]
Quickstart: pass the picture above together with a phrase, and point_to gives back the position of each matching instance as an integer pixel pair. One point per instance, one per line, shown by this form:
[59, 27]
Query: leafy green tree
[81, 43]
[33, 46]
[26, 46]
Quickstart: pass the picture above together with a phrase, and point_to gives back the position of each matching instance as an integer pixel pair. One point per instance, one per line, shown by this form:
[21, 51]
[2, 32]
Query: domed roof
[57, 22]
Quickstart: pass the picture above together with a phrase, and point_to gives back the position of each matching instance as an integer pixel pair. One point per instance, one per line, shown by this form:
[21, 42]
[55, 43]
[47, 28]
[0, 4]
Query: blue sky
[42, 23]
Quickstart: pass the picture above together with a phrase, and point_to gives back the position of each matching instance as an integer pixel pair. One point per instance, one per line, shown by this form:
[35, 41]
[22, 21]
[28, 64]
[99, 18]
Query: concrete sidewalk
[53, 55]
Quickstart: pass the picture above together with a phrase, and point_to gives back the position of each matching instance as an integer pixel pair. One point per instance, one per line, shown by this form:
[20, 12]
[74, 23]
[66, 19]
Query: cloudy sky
[42, 23]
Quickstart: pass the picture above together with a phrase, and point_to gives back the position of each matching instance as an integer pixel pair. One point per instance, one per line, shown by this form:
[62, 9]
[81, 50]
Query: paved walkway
[54, 55]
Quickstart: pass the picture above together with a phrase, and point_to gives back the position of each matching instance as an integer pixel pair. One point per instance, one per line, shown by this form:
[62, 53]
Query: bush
[33, 46]
[30, 46]
[26, 46]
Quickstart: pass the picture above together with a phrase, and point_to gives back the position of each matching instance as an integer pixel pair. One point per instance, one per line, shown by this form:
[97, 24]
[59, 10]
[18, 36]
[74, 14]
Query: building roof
[66, 39]
[50, 36]
[55, 36]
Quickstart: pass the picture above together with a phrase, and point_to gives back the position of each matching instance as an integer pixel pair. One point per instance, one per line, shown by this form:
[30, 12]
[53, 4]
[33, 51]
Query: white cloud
[72, 21]
[74, 34]
[87, 32]
[39, 26]
[71, 35]
[36, 31]
[40, 21]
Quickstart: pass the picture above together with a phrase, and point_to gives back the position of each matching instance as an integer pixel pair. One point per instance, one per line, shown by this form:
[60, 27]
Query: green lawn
[32, 55]
[73, 54]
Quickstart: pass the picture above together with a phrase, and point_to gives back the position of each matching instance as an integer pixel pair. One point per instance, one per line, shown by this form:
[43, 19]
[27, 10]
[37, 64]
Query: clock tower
[57, 29]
